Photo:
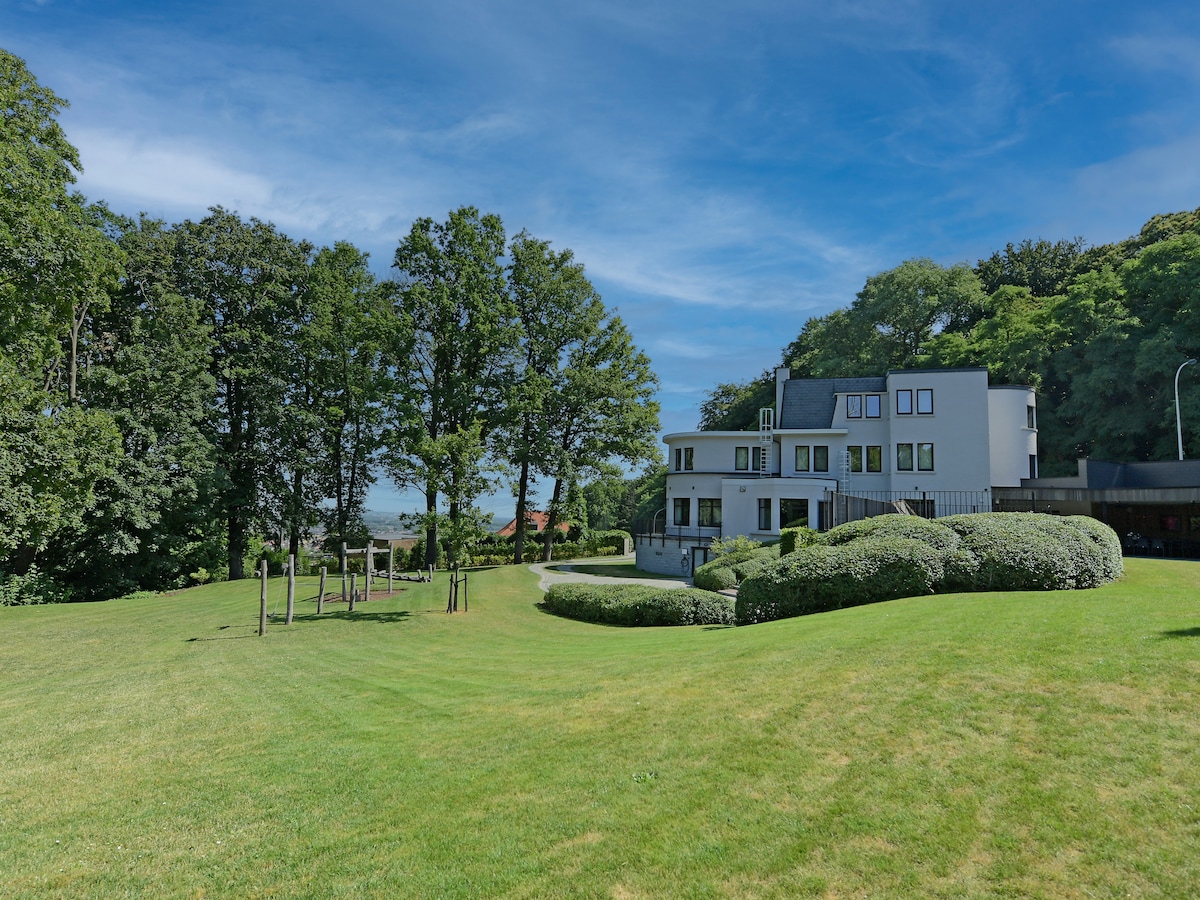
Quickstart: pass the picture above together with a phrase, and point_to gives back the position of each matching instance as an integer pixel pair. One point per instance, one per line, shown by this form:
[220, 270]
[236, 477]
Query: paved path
[558, 573]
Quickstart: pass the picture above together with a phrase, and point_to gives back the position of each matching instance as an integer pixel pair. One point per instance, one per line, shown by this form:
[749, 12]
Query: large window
[874, 459]
[793, 513]
[873, 406]
[820, 459]
[802, 459]
[741, 458]
[925, 402]
[925, 457]
[710, 512]
[904, 457]
[904, 403]
[854, 406]
[856, 459]
[764, 514]
[683, 510]
[687, 459]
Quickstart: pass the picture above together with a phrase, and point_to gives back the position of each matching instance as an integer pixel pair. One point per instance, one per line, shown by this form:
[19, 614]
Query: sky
[724, 171]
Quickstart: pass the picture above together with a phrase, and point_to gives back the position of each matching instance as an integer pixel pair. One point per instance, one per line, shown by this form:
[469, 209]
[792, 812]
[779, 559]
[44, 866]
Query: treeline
[172, 394]
[1098, 331]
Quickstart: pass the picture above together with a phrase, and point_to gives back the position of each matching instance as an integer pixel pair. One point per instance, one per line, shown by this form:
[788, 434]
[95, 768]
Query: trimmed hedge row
[729, 569]
[894, 556]
[638, 605]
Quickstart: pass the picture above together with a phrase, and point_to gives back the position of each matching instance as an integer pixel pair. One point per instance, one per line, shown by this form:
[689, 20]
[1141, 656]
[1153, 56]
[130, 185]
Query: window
[925, 402]
[678, 459]
[710, 511]
[1030, 419]
[925, 457]
[687, 459]
[820, 459]
[904, 403]
[874, 459]
[904, 458]
[683, 511]
[1033, 464]
[801, 459]
[741, 458]
[764, 514]
[873, 404]
[793, 513]
[856, 459]
[757, 459]
[854, 406]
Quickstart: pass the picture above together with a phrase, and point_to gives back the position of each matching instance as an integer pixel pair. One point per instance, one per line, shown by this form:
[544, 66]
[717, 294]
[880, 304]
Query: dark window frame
[741, 459]
[924, 394]
[900, 460]
[854, 410]
[921, 467]
[820, 458]
[708, 512]
[904, 398]
[684, 505]
[807, 458]
[876, 457]
[877, 404]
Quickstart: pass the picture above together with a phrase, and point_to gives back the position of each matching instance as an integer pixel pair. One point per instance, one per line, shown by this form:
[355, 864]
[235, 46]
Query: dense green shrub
[791, 539]
[1029, 552]
[821, 578]
[1106, 539]
[614, 540]
[731, 567]
[914, 528]
[719, 547]
[31, 589]
[638, 605]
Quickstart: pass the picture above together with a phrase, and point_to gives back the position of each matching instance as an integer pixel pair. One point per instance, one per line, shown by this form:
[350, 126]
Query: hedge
[638, 605]
[791, 539]
[821, 578]
[727, 570]
[890, 556]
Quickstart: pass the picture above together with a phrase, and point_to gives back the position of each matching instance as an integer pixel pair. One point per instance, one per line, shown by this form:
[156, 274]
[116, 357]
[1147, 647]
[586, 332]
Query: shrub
[31, 589]
[714, 576]
[1112, 558]
[791, 539]
[732, 545]
[914, 528]
[638, 605]
[821, 578]
[727, 570]
[614, 541]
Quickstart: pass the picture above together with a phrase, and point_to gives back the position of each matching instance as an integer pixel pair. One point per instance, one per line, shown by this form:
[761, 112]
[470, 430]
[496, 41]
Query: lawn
[986, 745]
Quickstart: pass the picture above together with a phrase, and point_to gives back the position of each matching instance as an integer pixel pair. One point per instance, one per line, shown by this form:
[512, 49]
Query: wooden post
[262, 601]
[345, 558]
[466, 608]
[353, 589]
[370, 557]
[291, 587]
[450, 595]
[321, 593]
[391, 564]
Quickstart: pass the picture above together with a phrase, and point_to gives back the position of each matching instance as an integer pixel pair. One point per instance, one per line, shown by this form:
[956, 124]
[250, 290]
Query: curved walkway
[565, 573]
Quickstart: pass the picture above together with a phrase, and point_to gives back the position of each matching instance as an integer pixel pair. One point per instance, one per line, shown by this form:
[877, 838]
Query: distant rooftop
[811, 402]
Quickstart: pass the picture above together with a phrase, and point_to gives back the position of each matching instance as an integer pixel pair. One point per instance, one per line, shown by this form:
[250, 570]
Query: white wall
[957, 428]
[1012, 440]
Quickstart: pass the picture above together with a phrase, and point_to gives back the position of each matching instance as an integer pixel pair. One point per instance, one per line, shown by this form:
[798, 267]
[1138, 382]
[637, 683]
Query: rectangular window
[687, 459]
[925, 401]
[757, 459]
[1030, 418]
[925, 457]
[904, 458]
[710, 512]
[1033, 465]
[764, 514]
[793, 513]
[801, 459]
[854, 406]
[741, 459]
[904, 403]
[678, 459]
[873, 405]
[874, 459]
[856, 459]
[683, 510]
[820, 459]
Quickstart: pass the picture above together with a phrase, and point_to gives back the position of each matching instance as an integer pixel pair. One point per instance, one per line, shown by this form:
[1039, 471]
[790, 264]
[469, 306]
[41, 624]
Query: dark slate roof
[810, 402]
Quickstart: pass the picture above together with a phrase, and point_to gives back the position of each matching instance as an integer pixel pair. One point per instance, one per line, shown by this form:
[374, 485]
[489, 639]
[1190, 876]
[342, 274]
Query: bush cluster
[731, 568]
[792, 539]
[638, 605]
[31, 589]
[892, 556]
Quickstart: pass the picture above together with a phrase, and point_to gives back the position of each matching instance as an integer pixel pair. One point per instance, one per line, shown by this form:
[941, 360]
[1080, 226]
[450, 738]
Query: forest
[173, 396]
[1099, 331]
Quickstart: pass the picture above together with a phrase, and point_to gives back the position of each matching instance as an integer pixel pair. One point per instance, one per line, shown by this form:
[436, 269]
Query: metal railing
[838, 508]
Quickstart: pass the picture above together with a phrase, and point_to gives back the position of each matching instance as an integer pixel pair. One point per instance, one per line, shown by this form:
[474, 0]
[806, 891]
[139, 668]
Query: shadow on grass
[1180, 633]
[344, 615]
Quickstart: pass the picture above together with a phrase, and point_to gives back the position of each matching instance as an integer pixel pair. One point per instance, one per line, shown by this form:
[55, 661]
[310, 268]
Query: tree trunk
[551, 522]
[431, 534]
[522, 490]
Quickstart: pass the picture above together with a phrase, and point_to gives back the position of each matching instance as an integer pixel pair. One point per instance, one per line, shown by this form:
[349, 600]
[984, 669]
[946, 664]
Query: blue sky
[723, 170]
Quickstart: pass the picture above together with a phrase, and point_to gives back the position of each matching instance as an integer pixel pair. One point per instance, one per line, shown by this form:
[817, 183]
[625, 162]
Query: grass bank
[976, 745]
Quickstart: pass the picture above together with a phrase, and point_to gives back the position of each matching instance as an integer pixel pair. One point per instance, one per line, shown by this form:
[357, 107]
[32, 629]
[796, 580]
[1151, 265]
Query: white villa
[931, 441]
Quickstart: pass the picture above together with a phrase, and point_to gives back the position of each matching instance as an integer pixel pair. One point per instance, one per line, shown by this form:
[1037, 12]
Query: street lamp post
[1178, 421]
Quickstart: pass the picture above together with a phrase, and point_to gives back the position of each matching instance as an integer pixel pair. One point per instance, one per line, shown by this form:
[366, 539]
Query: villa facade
[931, 441]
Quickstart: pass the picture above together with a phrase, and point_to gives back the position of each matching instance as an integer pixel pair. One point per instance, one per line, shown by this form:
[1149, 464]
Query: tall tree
[248, 276]
[453, 302]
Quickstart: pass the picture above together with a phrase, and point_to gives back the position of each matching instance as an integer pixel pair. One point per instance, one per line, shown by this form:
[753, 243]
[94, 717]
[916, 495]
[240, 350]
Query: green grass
[621, 569]
[985, 745]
